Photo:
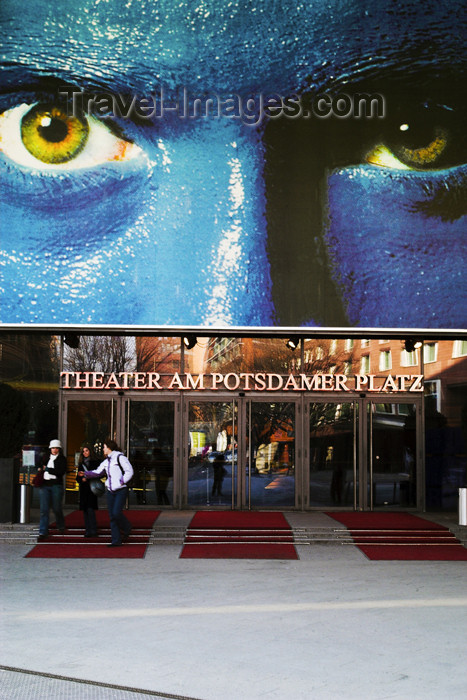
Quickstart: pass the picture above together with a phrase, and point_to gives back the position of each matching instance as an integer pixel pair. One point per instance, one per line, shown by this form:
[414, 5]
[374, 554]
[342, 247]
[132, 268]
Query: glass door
[144, 430]
[333, 450]
[241, 453]
[149, 444]
[270, 454]
[212, 453]
[88, 422]
[391, 460]
[363, 454]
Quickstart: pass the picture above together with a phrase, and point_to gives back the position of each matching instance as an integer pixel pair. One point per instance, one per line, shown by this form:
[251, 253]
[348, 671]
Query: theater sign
[242, 381]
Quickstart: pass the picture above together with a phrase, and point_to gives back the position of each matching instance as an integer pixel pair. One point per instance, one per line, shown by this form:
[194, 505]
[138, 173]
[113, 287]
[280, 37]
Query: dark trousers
[90, 522]
[119, 524]
[51, 497]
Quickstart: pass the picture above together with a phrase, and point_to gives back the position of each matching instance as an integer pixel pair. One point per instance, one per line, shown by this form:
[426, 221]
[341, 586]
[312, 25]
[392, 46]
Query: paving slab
[332, 624]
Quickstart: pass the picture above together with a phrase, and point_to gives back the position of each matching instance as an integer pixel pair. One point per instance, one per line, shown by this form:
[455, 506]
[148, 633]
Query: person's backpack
[129, 483]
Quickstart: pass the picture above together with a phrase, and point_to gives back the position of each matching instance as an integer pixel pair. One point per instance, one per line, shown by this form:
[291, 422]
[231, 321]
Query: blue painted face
[240, 218]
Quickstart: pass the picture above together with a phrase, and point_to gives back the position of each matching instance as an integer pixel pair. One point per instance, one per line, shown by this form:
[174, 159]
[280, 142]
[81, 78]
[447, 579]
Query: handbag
[38, 480]
[97, 487]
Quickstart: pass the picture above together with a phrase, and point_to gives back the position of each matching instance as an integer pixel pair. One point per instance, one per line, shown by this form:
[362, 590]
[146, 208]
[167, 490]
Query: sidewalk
[331, 625]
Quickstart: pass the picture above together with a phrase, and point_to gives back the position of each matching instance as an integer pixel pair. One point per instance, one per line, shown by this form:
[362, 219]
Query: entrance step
[167, 535]
[321, 535]
[26, 534]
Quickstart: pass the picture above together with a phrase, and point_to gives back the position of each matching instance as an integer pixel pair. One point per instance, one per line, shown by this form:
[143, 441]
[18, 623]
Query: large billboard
[233, 163]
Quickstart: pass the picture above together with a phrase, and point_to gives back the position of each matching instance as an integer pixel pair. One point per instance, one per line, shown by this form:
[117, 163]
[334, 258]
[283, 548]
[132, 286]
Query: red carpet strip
[238, 535]
[73, 544]
[401, 536]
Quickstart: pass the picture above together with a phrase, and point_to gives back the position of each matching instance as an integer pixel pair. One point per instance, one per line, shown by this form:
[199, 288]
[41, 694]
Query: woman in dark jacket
[87, 500]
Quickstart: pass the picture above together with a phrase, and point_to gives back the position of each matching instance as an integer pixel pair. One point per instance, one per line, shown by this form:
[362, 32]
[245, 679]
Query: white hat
[55, 443]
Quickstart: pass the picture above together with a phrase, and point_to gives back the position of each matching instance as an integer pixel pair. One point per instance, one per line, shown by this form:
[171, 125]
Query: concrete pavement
[331, 625]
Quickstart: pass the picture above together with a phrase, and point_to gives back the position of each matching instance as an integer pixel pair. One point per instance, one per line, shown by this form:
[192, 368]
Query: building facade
[249, 422]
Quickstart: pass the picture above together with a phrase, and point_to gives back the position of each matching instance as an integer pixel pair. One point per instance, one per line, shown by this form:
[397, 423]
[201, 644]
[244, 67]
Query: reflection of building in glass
[267, 435]
[158, 354]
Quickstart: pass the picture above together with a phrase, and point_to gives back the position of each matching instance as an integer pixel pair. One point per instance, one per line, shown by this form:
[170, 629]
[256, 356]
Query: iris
[51, 136]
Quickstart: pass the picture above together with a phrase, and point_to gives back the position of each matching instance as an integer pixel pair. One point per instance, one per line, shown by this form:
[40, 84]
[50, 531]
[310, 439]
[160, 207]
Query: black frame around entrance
[366, 422]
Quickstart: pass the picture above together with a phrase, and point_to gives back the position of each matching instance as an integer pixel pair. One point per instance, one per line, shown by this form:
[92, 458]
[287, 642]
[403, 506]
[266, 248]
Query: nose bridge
[209, 193]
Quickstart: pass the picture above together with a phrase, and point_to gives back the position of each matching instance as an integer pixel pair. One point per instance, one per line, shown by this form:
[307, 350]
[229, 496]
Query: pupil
[55, 132]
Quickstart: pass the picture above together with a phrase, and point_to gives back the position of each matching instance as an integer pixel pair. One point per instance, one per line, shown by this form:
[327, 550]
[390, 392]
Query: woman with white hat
[51, 492]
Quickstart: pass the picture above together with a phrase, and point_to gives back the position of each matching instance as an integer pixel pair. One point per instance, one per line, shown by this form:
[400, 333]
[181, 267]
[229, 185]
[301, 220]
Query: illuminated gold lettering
[402, 379]
[278, 382]
[327, 382]
[389, 384]
[309, 383]
[125, 376]
[260, 381]
[112, 382]
[67, 376]
[153, 380]
[216, 379]
[417, 384]
[82, 380]
[246, 376]
[360, 381]
[140, 380]
[176, 382]
[98, 380]
[194, 383]
[341, 382]
[236, 382]
[291, 383]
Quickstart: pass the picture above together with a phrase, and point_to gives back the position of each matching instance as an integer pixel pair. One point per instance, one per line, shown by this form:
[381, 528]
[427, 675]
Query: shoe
[116, 544]
[41, 538]
[125, 538]
[62, 531]
[87, 535]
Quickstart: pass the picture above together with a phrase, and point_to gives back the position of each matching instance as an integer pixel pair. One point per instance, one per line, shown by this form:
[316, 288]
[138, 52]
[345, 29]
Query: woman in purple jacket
[119, 472]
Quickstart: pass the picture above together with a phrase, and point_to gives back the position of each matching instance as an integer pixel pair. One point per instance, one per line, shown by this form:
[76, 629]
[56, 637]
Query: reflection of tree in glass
[158, 354]
[273, 424]
[210, 418]
[100, 354]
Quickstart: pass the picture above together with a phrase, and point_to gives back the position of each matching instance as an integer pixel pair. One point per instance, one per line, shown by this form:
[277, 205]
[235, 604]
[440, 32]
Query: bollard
[462, 506]
[25, 503]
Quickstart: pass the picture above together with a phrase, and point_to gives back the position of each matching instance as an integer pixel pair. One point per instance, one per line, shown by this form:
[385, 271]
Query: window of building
[385, 360]
[459, 348]
[348, 345]
[347, 369]
[409, 359]
[365, 364]
[433, 393]
[365, 343]
[430, 352]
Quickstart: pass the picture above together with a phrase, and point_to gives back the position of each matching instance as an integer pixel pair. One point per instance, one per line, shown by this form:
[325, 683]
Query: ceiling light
[189, 341]
[293, 343]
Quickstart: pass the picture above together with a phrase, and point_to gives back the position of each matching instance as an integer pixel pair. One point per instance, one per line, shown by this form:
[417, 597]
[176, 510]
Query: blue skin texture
[178, 235]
